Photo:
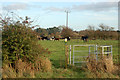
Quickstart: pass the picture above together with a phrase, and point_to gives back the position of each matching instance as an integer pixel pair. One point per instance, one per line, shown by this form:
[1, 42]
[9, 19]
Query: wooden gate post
[66, 54]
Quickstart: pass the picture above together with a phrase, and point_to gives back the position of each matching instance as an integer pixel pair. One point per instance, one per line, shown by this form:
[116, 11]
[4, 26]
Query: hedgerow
[19, 41]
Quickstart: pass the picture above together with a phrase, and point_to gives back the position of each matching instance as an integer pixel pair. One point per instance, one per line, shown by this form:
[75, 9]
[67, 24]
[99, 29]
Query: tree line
[102, 32]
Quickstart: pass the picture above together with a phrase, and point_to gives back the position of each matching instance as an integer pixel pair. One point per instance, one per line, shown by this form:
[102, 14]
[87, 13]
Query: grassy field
[57, 56]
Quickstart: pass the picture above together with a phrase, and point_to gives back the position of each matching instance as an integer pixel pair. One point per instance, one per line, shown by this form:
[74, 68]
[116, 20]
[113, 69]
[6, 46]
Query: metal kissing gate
[81, 52]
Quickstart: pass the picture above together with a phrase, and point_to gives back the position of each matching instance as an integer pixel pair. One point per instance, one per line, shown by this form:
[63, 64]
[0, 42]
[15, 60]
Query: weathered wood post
[66, 54]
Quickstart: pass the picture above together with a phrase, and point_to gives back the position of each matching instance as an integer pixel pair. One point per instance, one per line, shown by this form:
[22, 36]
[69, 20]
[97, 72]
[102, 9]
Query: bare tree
[90, 27]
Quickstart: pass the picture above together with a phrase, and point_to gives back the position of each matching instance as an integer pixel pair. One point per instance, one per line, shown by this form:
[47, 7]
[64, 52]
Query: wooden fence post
[66, 54]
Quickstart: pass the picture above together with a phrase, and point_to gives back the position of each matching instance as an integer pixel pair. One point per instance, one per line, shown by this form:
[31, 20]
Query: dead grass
[8, 72]
[101, 68]
[24, 69]
[43, 64]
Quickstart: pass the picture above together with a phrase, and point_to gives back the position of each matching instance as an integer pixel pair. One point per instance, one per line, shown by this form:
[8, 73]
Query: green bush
[19, 42]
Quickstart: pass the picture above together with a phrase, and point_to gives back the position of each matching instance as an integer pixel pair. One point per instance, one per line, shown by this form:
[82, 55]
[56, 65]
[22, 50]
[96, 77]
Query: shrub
[21, 50]
[20, 42]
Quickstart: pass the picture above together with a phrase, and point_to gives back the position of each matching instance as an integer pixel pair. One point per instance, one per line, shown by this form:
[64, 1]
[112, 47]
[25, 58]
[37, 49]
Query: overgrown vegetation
[21, 51]
[102, 68]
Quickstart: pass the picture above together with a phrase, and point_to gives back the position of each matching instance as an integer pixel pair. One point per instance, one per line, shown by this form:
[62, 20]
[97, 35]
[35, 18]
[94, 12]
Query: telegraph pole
[67, 17]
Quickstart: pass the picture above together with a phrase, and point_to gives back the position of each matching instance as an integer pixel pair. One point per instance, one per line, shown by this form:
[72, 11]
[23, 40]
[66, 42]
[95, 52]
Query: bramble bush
[19, 41]
[21, 53]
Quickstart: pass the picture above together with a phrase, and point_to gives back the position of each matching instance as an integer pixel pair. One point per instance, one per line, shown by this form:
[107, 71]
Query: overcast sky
[82, 14]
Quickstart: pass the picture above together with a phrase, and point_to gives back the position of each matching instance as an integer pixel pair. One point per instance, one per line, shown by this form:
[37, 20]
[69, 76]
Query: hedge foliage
[19, 42]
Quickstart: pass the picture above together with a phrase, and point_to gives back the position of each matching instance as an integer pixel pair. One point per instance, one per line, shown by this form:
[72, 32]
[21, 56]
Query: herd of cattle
[84, 38]
[52, 38]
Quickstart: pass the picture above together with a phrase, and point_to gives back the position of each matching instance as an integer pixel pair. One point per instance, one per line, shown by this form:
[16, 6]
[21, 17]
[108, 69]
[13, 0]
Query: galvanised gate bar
[81, 52]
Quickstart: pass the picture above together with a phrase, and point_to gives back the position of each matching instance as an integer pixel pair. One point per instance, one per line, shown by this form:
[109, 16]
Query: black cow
[68, 38]
[84, 38]
[45, 38]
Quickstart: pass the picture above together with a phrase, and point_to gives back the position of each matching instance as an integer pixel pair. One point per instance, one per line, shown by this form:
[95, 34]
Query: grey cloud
[19, 6]
[100, 6]
[16, 6]
[35, 6]
[56, 9]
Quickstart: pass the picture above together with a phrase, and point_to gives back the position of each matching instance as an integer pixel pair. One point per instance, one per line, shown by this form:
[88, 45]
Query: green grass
[57, 55]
